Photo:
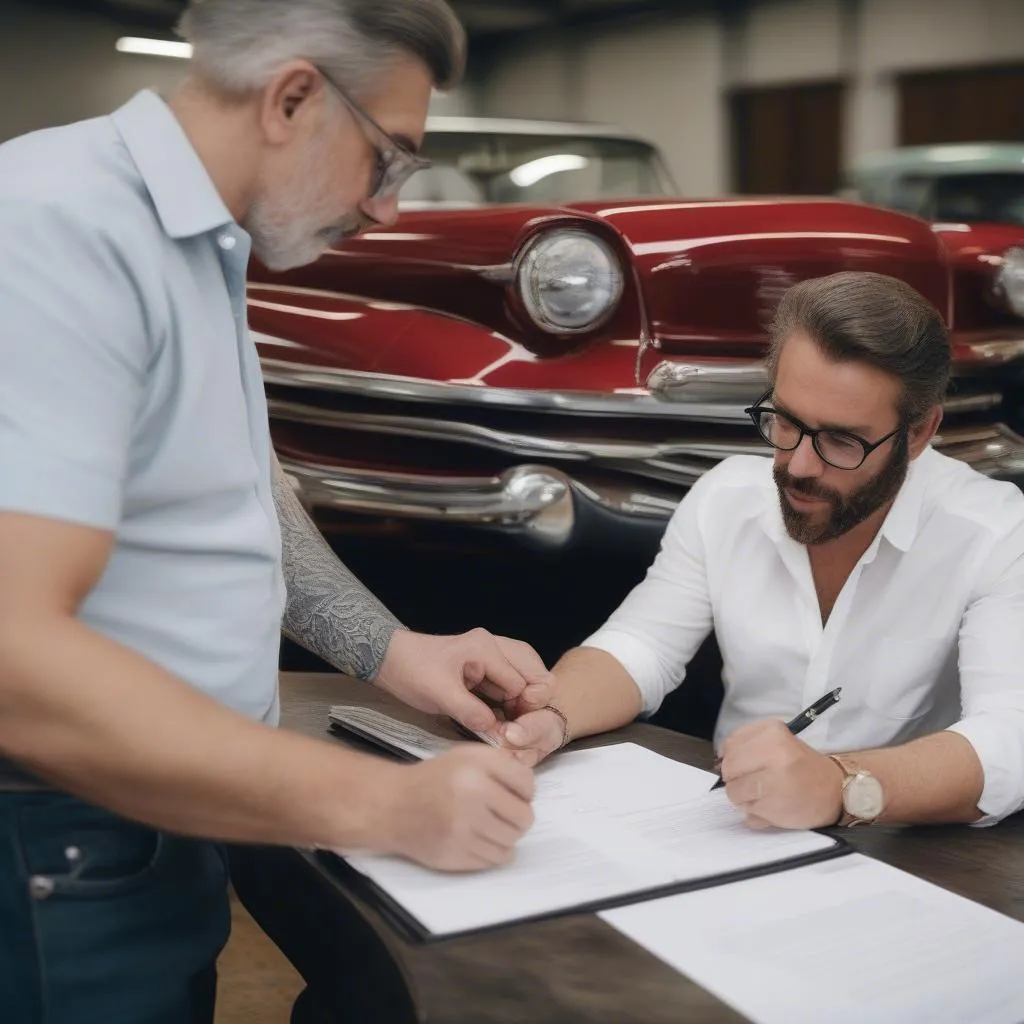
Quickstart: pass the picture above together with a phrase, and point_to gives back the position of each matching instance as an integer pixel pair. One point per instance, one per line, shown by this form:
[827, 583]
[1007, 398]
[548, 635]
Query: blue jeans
[103, 921]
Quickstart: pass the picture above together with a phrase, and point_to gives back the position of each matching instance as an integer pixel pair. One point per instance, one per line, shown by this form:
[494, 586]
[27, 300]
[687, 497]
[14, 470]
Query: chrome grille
[519, 459]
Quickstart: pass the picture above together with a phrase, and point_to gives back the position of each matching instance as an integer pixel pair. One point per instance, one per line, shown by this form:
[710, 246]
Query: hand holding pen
[803, 720]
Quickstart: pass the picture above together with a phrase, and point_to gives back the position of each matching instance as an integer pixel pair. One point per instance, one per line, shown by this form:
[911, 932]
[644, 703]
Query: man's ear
[288, 95]
[922, 434]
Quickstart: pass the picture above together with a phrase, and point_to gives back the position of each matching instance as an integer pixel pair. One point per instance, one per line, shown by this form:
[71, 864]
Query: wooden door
[788, 140]
[970, 105]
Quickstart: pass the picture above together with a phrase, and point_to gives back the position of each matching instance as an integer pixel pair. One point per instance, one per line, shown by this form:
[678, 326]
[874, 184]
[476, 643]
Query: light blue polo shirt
[130, 393]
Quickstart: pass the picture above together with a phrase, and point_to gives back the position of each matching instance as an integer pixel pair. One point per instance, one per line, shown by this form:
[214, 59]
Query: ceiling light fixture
[154, 47]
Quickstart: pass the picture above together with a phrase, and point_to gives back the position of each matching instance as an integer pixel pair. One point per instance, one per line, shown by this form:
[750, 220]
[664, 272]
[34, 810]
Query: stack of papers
[399, 737]
[774, 923]
[846, 941]
[612, 824]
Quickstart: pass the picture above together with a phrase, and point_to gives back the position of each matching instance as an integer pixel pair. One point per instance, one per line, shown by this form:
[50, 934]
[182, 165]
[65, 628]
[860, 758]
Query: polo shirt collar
[900, 525]
[185, 197]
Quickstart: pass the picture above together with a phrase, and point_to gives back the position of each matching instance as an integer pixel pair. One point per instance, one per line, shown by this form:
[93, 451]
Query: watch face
[863, 797]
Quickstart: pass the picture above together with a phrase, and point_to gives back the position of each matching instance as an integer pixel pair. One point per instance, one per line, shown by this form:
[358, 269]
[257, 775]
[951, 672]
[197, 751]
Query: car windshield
[998, 198]
[485, 168]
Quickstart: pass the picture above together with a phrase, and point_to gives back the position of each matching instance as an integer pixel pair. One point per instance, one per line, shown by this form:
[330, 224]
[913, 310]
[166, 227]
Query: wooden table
[557, 971]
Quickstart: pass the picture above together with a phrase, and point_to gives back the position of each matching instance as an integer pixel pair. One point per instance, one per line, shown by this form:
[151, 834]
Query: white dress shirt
[927, 633]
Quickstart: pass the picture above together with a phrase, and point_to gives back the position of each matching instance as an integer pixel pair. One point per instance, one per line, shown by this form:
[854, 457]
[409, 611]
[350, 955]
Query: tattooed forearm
[329, 612]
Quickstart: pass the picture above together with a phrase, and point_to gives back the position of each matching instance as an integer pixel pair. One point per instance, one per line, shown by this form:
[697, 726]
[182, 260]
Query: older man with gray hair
[150, 548]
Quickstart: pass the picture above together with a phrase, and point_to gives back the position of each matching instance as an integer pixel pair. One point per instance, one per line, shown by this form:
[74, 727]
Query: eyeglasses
[395, 164]
[838, 448]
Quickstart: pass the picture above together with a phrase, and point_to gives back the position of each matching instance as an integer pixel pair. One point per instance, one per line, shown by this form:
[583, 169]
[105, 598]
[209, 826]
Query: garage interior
[809, 85]
[741, 97]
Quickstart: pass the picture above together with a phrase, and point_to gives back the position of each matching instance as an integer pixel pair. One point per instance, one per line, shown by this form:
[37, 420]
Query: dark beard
[846, 512]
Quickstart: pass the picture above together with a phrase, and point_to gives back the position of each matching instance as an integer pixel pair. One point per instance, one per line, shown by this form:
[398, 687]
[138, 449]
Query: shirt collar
[186, 199]
[900, 525]
[771, 519]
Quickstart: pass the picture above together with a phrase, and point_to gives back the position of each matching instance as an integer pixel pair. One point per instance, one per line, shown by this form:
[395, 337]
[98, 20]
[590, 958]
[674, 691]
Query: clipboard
[412, 930]
[406, 924]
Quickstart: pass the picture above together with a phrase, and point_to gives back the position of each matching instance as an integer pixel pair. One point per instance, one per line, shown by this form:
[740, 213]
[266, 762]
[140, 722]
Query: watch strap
[850, 772]
[848, 768]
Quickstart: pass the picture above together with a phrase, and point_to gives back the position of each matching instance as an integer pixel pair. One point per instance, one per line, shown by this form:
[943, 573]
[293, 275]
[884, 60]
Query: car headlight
[570, 281]
[1010, 281]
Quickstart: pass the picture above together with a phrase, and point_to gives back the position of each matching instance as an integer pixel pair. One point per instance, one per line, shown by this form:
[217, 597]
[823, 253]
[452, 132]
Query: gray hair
[857, 316]
[239, 44]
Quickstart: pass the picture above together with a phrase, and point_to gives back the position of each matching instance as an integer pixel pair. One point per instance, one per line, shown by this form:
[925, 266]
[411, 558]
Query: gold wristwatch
[863, 797]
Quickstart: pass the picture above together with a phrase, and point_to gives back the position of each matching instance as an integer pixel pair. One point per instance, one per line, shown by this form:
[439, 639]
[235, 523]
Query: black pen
[803, 720]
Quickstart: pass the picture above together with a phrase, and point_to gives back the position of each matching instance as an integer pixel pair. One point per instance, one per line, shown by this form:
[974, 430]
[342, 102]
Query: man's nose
[383, 211]
[804, 460]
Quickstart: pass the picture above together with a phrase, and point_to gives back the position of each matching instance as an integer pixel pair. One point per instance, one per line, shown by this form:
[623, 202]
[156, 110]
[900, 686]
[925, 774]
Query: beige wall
[670, 81]
[56, 68]
[669, 93]
[662, 81]
[792, 40]
[907, 34]
[532, 80]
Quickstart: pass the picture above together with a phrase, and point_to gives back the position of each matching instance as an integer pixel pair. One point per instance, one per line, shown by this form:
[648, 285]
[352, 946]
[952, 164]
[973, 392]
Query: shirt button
[40, 887]
[227, 242]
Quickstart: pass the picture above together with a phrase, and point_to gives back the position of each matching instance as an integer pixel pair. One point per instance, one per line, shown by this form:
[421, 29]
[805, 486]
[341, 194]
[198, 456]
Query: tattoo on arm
[329, 612]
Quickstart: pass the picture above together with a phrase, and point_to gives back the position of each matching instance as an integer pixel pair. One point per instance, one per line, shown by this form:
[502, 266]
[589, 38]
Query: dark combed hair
[857, 316]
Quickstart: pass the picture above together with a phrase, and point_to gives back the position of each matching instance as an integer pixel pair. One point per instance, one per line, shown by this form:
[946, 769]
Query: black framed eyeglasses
[395, 164]
[840, 449]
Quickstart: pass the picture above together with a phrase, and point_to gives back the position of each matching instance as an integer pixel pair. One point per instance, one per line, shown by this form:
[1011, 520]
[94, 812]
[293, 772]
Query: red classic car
[558, 372]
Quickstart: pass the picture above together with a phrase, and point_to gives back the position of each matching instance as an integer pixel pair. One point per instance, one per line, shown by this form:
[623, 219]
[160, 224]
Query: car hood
[713, 271]
[703, 277]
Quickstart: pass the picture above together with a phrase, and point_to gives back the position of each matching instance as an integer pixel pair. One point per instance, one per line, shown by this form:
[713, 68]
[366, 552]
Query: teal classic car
[973, 183]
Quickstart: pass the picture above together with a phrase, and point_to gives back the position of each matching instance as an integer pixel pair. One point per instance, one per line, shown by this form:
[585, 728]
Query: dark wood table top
[572, 968]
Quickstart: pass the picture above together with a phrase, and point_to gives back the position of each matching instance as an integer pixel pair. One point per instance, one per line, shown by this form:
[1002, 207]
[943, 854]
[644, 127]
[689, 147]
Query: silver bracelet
[565, 723]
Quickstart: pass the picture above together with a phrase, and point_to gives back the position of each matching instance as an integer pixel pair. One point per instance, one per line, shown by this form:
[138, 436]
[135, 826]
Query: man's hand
[463, 811]
[534, 736]
[778, 781]
[441, 675]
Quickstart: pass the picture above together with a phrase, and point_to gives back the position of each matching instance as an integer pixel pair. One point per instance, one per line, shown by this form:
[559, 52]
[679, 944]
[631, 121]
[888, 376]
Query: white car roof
[519, 126]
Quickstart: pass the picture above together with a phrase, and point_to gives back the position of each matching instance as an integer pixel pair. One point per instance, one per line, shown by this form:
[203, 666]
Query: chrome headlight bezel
[532, 276]
[1009, 283]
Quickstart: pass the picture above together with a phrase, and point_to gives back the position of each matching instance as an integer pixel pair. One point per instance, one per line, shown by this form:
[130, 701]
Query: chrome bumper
[536, 501]
[542, 502]
[632, 454]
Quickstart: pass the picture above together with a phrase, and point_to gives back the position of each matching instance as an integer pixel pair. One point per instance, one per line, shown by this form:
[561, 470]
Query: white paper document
[610, 822]
[846, 941]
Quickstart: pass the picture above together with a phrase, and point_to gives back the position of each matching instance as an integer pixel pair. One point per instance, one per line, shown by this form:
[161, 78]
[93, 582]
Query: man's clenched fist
[463, 811]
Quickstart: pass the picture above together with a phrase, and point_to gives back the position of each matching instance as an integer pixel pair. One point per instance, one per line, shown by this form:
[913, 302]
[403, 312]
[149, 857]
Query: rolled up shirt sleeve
[657, 629]
[73, 347]
[992, 679]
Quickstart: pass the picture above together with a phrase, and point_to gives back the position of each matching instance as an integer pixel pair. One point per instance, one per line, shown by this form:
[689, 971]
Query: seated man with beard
[860, 558]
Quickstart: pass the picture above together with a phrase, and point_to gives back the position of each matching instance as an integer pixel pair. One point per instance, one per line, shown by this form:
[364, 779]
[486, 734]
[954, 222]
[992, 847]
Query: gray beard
[285, 249]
